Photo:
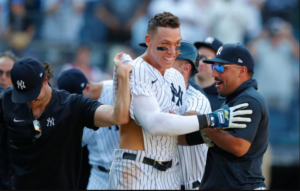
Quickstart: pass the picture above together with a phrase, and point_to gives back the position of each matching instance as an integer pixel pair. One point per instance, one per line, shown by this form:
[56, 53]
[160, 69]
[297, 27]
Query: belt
[103, 169]
[159, 165]
[195, 184]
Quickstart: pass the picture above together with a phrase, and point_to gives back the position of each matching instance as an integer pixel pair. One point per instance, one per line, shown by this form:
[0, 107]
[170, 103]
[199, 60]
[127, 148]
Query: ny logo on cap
[209, 40]
[240, 61]
[82, 84]
[219, 50]
[21, 84]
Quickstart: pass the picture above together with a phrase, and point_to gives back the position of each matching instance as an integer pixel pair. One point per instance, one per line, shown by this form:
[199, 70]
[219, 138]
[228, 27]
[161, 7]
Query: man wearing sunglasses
[207, 49]
[45, 125]
[234, 162]
[7, 60]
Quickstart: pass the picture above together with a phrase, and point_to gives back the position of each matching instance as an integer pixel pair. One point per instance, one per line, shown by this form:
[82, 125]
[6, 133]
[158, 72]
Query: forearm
[122, 100]
[225, 141]
[170, 125]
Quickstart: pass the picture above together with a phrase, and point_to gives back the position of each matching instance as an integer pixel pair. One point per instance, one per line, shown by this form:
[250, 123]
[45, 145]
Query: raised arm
[118, 114]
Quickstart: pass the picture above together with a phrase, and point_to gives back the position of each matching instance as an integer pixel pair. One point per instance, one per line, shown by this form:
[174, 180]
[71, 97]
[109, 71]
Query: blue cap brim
[25, 97]
[214, 60]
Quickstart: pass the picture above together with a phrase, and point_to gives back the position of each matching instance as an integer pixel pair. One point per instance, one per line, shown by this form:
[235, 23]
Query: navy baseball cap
[188, 52]
[210, 42]
[27, 77]
[73, 81]
[233, 53]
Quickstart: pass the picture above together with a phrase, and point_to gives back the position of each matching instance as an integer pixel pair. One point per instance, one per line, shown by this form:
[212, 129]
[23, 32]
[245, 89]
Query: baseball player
[147, 158]
[192, 158]
[101, 143]
[43, 126]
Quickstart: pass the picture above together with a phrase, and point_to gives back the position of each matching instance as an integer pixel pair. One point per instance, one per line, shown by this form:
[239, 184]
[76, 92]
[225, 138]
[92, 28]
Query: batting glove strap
[202, 121]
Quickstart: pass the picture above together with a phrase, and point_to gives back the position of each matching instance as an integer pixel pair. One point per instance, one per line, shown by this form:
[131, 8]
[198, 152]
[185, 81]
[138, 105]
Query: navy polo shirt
[225, 171]
[52, 161]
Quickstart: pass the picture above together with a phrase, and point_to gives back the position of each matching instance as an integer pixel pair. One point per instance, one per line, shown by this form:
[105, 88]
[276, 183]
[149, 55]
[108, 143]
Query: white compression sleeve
[147, 113]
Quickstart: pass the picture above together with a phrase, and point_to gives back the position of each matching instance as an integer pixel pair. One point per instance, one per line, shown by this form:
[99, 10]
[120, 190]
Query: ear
[148, 39]
[243, 71]
[187, 67]
[87, 88]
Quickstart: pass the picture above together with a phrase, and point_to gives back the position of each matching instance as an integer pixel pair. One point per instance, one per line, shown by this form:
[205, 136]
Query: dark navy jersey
[225, 171]
[53, 160]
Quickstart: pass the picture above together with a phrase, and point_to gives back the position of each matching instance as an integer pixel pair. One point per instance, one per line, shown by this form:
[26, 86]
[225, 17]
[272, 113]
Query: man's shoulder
[252, 96]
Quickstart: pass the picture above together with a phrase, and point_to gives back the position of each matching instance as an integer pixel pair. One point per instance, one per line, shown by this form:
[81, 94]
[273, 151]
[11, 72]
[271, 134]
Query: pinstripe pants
[98, 179]
[131, 175]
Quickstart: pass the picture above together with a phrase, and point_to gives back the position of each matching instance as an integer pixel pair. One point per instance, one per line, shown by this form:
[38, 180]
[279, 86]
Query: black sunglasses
[7, 73]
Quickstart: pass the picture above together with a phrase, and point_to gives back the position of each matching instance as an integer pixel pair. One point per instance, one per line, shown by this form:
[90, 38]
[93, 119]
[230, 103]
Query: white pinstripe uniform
[128, 174]
[193, 158]
[101, 144]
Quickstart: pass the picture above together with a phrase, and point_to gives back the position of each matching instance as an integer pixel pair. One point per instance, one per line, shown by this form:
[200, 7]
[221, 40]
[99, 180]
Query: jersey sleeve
[86, 108]
[140, 80]
[249, 132]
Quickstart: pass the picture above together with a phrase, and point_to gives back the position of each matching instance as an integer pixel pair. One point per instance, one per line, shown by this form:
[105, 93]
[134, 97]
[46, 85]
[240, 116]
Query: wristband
[202, 121]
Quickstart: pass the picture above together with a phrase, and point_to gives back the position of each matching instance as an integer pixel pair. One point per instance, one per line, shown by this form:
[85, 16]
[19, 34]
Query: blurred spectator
[4, 18]
[118, 16]
[82, 62]
[188, 13]
[93, 29]
[34, 12]
[276, 52]
[277, 56]
[255, 19]
[279, 8]
[7, 60]
[63, 20]
[230, 20]
[21, 26]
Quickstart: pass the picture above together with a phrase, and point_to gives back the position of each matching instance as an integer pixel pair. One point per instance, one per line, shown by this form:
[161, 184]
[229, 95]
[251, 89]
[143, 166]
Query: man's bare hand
[122, 69]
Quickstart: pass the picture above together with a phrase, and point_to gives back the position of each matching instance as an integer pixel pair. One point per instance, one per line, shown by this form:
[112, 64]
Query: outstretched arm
[148, 115]
[107, 115]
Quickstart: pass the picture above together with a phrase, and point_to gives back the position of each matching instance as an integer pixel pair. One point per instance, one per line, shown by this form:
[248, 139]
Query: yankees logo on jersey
[169, 90]
[177, 94]
[193, 158]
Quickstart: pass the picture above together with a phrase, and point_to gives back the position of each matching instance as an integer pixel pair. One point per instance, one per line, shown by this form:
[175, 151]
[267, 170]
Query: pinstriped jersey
[193, 158]
[168, 89]
[102, 143]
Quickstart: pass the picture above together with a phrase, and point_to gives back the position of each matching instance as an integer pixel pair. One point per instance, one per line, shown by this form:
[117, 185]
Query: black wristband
[202, 121]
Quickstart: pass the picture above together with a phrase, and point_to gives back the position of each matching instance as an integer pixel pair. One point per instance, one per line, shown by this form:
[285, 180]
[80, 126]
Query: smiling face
[229, 80]
[164, 37]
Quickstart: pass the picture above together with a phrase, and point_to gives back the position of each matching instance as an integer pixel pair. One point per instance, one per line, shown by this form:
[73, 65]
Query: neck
[204, 83]
[38, 111]
[96, 90]
[186, 80]
[146, 56]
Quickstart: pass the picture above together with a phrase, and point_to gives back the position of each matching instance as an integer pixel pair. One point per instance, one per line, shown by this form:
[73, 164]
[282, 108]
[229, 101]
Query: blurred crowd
[86, 34]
